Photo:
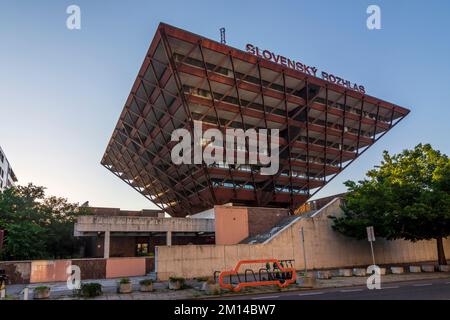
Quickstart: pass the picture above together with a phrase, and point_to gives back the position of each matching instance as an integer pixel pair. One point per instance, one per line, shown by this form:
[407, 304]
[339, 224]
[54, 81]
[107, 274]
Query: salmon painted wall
[49, 270]
[125, 267]
[231, 224]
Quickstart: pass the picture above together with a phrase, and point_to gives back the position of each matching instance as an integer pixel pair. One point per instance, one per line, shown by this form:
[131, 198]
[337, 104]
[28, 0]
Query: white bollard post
[25, 293]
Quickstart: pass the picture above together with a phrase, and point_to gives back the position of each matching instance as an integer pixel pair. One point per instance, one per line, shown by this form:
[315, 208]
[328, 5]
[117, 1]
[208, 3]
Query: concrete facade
[231, 224]
[324, 248]
[7, 176]
[141, 224]
[118, 236]
[234, 223]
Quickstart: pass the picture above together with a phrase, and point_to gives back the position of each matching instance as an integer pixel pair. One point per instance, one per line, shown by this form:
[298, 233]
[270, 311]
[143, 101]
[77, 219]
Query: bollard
[359, 272]
[445, 268]
[323, 275]
[345, 272]
[397, 270]
[2, 293]
[428, 268]
[415, 269]
[25, 293]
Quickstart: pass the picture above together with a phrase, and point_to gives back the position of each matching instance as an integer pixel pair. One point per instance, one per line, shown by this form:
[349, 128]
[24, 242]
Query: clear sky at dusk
[61, 91]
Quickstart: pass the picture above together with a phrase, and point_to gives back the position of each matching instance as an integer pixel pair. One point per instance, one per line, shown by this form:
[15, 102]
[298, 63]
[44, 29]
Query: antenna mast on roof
[222, 36]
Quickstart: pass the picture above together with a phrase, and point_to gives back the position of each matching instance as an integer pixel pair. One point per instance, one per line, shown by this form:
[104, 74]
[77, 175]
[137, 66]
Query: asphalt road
[418, 290]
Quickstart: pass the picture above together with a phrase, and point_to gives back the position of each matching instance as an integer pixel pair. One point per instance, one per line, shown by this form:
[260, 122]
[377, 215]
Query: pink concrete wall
[231, 224]
[125, 267]
[49, 270]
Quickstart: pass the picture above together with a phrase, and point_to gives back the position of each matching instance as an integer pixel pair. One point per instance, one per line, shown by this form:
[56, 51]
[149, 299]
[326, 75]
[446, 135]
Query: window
[142, 249]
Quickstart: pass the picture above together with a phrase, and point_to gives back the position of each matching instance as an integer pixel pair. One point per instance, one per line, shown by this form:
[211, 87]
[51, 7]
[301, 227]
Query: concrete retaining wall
[324, 248]
[17, 271]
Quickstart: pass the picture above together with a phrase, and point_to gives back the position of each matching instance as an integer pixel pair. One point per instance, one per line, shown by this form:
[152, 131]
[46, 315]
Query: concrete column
[106, 244]
[169, 238]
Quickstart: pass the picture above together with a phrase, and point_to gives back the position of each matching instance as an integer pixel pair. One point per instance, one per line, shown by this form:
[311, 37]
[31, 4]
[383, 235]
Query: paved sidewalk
[338, 282]
[59, 290]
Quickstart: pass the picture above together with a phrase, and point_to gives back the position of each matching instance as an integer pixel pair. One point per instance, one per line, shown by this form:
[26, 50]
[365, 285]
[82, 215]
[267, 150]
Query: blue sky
[61, 91]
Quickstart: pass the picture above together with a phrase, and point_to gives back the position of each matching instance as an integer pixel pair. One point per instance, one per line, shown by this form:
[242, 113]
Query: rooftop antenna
[222, 36]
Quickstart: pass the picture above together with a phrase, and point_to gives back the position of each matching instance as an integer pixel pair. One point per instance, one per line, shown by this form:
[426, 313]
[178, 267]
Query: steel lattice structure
[185, 78]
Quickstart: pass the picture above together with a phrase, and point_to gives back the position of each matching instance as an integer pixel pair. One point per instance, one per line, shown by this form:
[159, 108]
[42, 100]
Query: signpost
[371, 239]
[2, 236]
[304, 252]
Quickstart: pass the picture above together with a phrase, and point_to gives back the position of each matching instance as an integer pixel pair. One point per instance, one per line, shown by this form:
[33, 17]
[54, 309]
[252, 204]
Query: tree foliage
[406, 197]
[36, 226]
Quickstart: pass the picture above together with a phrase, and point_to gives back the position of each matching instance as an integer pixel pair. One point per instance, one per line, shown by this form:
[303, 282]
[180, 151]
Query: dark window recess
[142, 249]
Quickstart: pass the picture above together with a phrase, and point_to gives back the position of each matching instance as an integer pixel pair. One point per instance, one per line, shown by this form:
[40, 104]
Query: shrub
[180, 279]
[124, 281]
[90, 290]
[41, 288]
[146, 282]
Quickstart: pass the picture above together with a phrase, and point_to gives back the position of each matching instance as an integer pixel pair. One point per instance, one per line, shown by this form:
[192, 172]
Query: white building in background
[7, 176]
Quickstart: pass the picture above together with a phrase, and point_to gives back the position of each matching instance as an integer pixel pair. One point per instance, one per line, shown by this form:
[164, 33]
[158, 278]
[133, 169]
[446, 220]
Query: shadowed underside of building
[186, 78]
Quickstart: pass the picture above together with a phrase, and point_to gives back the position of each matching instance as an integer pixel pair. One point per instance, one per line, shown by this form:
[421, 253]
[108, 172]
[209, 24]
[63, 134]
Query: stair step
[260, 238]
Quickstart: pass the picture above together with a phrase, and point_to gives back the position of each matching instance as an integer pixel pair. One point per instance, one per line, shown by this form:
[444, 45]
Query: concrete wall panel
[49, 270]
[125, 267]
[231, 224]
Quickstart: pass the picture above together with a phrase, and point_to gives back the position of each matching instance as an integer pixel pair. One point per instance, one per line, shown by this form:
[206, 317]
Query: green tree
[406, 197]
[36, 226]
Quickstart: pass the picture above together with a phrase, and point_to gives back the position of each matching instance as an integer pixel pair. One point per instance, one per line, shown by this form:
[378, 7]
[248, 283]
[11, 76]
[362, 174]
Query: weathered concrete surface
[345, 272]
[444, 268]
[397, 270]
[359, 272]
[141, 224]
[323, 274]
[324, 248]
[428, 268]
[306, 282]
[17, 271]
[231, 224]
[415, 269]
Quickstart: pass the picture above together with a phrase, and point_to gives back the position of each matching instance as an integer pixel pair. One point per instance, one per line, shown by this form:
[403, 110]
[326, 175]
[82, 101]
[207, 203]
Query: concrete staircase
[262, 237]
